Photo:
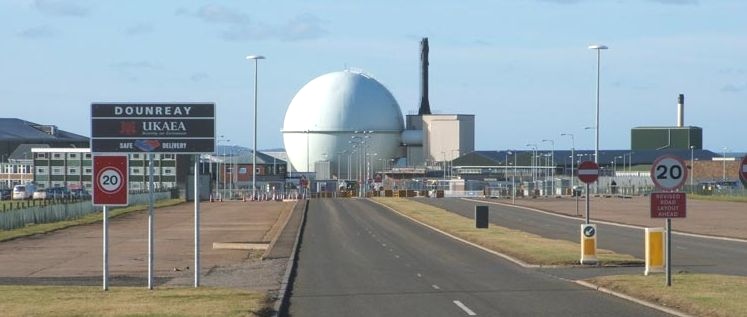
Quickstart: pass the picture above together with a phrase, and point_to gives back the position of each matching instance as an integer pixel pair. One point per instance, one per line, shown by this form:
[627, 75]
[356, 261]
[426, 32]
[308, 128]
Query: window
[57, 156]
[72, 170]
[57, 171]
[242, 170]
[167, 156]
[41, 155]
[135, 156]
[87, 171]
[87, 156]
[72, 156]
[168, 171]
[41, 170]
[135, 171]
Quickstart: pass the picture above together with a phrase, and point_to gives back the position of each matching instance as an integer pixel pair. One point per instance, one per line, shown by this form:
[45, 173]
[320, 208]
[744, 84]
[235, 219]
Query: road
[359, 259]
[692, 254]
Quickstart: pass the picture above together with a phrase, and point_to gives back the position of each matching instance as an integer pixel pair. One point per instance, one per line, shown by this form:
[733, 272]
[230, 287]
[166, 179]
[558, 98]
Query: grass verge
[129, 301]
[732, 198]
[91, 218]
[696, 294]
[527, 247]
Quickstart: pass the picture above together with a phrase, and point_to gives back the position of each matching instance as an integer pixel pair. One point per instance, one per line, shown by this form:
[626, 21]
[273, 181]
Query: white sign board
[668, 172]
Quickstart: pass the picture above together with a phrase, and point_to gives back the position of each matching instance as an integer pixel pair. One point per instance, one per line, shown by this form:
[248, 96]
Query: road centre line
[435, 286]
[464, 308]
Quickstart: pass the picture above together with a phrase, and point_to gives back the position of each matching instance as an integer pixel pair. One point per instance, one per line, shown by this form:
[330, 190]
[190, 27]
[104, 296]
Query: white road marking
[396, 256]
[383, 245]
[435, 286]
[420, 275]
[464, 308]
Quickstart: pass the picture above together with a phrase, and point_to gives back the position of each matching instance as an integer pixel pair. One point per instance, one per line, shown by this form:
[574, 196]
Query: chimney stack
[681, 111]
[425, 106]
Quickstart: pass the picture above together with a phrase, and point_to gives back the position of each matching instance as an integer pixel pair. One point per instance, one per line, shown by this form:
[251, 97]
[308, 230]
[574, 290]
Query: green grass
[91, 218]
[696, 294]
[530, 248]
[716, 197]
[129, 301]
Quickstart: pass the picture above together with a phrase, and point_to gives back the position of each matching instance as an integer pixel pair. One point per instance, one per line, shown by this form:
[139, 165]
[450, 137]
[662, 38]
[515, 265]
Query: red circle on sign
[110, 180]
[588, 172]
[668, 172]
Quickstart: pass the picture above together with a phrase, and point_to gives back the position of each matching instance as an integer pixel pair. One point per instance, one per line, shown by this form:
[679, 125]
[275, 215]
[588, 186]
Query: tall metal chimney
[425, 106]
[681, 111]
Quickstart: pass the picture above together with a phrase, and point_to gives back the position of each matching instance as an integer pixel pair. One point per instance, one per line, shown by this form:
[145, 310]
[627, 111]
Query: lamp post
[573, 158]
[724, 163]
[256, 59]
[552, 164]
[533, 160]
[692, 167]
[599, 49]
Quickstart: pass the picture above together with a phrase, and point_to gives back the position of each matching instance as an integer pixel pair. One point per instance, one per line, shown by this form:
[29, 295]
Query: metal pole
[106, 248]
[151, 221]
[669, 252]
[197, 222]
[254, 154]
[513, 182]
[587, 203]
[596, 126]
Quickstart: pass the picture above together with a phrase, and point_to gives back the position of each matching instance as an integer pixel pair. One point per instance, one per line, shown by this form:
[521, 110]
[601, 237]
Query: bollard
[588, 244]
[654, 241]
[482, 214]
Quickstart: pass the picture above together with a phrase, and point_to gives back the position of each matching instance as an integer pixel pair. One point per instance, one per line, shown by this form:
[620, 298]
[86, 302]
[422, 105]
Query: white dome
[326, 113]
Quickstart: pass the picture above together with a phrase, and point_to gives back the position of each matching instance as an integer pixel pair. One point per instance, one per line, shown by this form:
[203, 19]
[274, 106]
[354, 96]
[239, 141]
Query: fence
[18, 218]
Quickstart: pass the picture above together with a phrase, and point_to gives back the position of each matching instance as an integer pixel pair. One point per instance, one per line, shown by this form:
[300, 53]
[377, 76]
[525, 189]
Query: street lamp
[692, 167]
[552, 164]
[724, 163]
[573, 158]
[533, 162]
[599, 49]
[256, 59]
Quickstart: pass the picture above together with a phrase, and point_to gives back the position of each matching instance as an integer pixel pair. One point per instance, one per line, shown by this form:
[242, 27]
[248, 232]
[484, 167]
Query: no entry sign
[668, 205]
[110, 180]
[588, 172]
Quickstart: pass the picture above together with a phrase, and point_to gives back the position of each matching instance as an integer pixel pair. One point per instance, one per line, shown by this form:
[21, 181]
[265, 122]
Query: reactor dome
[338, 116]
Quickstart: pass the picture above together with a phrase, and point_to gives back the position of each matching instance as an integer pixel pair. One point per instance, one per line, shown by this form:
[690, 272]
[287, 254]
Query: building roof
[12, 129]
[23, 152]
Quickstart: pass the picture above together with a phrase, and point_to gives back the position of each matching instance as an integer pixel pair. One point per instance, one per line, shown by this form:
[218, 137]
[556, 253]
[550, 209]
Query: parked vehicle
[40, 194]
[80, 193]
[60, 193]
[24, 191]
[5, 194]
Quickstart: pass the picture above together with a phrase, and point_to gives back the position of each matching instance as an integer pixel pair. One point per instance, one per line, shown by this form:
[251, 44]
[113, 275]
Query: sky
[522, 67]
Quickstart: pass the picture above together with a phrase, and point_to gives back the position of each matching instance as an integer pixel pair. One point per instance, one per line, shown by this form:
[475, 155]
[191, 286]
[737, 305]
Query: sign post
[588, 172]
[109, 188]
[156, 128]
[668, 173]
[743, 171]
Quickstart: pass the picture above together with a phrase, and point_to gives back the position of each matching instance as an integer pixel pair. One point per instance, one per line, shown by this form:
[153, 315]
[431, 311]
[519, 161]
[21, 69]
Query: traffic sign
[668, 172]
[110, 180]
[668, 205]
[185, 128]
[588, 172]
[743, 171]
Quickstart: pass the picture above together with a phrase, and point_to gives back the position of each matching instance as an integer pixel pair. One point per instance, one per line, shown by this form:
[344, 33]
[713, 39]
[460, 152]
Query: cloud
[39, 32]
[214, 13]
[734, 88]
[139, 65]
[197, 77]
[241, 27]
[301, 27]
[61, 8]
[139, 29]
[676, 2]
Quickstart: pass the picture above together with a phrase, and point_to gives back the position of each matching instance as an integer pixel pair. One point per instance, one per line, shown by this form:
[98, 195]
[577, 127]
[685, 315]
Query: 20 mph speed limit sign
[110, 180]
[668, 172]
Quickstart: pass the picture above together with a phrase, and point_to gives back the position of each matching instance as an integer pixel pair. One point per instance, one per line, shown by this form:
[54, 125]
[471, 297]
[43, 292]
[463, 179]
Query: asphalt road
[359, 259]
[690, 254]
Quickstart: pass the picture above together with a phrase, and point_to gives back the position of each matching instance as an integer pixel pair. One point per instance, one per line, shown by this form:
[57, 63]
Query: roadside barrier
[18, 218]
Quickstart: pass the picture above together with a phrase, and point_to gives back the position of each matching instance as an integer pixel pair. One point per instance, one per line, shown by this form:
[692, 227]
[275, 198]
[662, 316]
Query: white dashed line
[465, 308]
[435, 286]
[396, 256]
[420, 275]
[383, 245]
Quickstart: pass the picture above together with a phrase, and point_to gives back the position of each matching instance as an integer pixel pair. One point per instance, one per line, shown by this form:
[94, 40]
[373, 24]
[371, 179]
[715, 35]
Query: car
[24, 191]
[40, 194]
[5, 194]
[60, 193]
[80, 193]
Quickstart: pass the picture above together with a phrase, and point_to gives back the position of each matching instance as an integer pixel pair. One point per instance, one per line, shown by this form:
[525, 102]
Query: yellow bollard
[588, 244]
[654, 241]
